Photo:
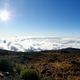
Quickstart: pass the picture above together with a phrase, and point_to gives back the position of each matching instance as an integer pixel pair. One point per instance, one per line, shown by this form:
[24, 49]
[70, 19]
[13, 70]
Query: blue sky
[41, 18]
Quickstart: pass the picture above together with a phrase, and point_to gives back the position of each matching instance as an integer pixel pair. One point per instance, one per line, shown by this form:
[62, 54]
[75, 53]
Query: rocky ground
[50, 65]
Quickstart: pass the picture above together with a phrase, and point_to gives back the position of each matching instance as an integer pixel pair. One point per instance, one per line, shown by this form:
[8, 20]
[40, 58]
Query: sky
[40, 18]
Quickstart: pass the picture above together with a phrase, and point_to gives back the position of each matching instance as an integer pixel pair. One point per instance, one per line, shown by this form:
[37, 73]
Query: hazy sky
[40, 17]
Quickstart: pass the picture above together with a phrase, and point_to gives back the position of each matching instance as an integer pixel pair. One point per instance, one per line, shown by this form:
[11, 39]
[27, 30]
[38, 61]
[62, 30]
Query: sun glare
[4, 15]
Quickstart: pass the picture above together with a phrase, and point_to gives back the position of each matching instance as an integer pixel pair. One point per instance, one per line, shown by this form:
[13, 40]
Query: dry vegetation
[49, 65]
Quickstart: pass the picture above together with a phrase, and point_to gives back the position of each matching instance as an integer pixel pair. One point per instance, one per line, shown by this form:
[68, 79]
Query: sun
[4, 15]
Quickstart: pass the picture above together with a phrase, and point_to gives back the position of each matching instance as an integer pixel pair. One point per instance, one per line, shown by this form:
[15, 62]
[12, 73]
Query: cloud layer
[38, 44]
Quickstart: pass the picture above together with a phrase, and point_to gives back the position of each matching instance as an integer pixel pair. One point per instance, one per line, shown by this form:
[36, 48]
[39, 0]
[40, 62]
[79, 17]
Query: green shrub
[18, 68]
[29, 74]
[71, 77]
[6, 66]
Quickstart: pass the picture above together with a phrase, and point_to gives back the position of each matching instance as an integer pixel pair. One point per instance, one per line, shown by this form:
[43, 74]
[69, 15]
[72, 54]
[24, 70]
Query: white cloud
[37, 44]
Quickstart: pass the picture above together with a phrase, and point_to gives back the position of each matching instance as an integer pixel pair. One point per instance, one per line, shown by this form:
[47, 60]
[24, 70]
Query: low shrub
[6, 66]
[18, 68]
[29, 74]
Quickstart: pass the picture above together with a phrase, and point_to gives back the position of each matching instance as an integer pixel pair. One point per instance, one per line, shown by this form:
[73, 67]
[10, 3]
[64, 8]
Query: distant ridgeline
[64, 50]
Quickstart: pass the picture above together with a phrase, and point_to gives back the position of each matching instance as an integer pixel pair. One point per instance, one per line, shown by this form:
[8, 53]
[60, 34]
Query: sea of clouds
[38, 44]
